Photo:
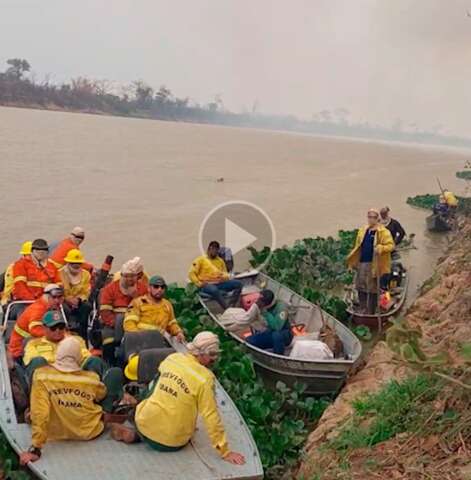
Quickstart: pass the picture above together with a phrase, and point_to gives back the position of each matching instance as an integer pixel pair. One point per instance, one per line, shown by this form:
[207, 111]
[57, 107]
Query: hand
[180, 336]
[235, 458]
[379, 249]
[27, 457]
[73, 302]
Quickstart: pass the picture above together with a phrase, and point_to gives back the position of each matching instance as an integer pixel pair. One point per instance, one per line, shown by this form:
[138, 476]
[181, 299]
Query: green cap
[157, 280]
[53, 317]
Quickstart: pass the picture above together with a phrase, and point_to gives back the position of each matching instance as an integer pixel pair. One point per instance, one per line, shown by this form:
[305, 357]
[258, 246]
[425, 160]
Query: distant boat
[106, 458]
[322, 377]
[438, 223]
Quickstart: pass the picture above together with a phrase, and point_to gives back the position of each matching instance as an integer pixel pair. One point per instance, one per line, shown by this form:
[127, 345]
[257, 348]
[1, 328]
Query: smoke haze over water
[379, 59]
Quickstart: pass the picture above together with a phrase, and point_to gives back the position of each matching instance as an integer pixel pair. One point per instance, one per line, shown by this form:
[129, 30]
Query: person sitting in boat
[209, 273]
[65, 400]
[29, 323]
[397, 232]
[7, 293]
[142, 276]
[153, 312]
[185, 388]
[278, 334]
[371, 257]
[72, 242]
[31, 274]
[77, 287]
[115, 299]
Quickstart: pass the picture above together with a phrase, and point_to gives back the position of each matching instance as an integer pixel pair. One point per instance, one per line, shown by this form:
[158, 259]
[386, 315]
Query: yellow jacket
[81, 290]
[146, 314]
[184, 390]
[8, 287]
[383, 240]
[63, 405]
[208, 270]
[42, 347]
[450, 198]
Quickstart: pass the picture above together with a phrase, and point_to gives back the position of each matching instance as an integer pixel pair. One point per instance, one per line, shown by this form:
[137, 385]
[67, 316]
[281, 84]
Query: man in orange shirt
[115, 299]
[31, 274]
[73, 241]
[30, 324]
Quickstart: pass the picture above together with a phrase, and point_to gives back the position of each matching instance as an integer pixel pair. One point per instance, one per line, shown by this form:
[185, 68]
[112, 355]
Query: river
[142, 187]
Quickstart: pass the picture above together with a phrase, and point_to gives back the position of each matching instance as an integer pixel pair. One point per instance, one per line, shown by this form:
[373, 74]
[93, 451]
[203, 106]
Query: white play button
[236, 238]
[238, 225]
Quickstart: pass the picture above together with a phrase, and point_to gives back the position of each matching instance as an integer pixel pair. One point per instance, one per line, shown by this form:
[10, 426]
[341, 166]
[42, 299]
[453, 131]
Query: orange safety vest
[29, 279]
[28, 324]
[58, 255]
[113, 301]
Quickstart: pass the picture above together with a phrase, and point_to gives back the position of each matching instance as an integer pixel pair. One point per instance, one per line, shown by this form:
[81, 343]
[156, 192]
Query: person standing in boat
[397, 232]
[77, 287]
[66, 401]
[209, 273]
[371, 257]
[184, 389]
[278, 334]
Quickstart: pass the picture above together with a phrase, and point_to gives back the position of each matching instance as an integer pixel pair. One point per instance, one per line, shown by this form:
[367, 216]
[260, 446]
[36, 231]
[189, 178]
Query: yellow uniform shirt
[185, 389]
[42, 347]
[8, 287]
[63, 406]
[81, 289]
[146, 314]
[208, 270]
[450, 199]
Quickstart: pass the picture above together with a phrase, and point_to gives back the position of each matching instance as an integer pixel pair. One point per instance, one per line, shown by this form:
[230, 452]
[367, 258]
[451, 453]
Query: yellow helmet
[74, 256]
[132, 367]
[26, 248]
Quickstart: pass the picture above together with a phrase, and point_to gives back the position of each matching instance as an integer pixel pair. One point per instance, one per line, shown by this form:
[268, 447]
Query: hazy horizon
[379, 60]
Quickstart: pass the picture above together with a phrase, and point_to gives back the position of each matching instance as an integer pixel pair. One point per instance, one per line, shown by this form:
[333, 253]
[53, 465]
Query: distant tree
[164, 95]
[144, 94]
[18, 67]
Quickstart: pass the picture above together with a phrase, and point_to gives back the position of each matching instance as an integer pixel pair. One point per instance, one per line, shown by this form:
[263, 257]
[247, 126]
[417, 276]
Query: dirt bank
[443, 314]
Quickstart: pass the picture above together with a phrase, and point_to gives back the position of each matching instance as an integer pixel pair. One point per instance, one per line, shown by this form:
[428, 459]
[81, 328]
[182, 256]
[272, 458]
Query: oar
[378, 295]
[440, 185]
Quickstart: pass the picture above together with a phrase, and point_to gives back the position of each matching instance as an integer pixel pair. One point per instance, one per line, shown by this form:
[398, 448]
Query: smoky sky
[379, 59]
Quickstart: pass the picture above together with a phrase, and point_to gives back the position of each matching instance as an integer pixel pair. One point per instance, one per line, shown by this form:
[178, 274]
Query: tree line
[19, 87]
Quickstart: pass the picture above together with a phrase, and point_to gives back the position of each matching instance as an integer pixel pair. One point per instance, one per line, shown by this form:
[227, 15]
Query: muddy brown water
[142, 187]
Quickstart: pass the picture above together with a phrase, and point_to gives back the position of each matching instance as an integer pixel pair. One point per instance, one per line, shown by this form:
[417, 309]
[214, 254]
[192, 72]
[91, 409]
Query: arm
[385, 243]
[208, 410]
[172, 327]
[224, 273]
[106, 308]
[401, 233]
[100, 392]
[194, 273]
[40, 409]
[35, 326]
[132, 317]
[20, 289]
[85, 287]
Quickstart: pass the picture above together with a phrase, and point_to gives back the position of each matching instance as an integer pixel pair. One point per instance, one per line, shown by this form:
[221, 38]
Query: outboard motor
[397, 274]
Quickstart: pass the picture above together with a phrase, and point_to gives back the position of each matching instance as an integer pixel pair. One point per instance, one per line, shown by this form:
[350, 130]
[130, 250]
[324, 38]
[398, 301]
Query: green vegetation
[428, 200]
[314, 268]
[279, 420]
[399, 407]
[464, 174]
[9, 465]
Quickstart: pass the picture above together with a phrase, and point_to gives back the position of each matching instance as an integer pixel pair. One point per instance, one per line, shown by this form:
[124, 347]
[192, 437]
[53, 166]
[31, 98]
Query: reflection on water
[142, 187]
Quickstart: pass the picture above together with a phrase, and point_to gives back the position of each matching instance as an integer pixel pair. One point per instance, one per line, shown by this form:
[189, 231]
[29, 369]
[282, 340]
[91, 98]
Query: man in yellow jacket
[371, 257]
[166, 419]
[77, 287]
[9, 278]
[209, 273]
[153, 312]
[64, 401]
[41, 351]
